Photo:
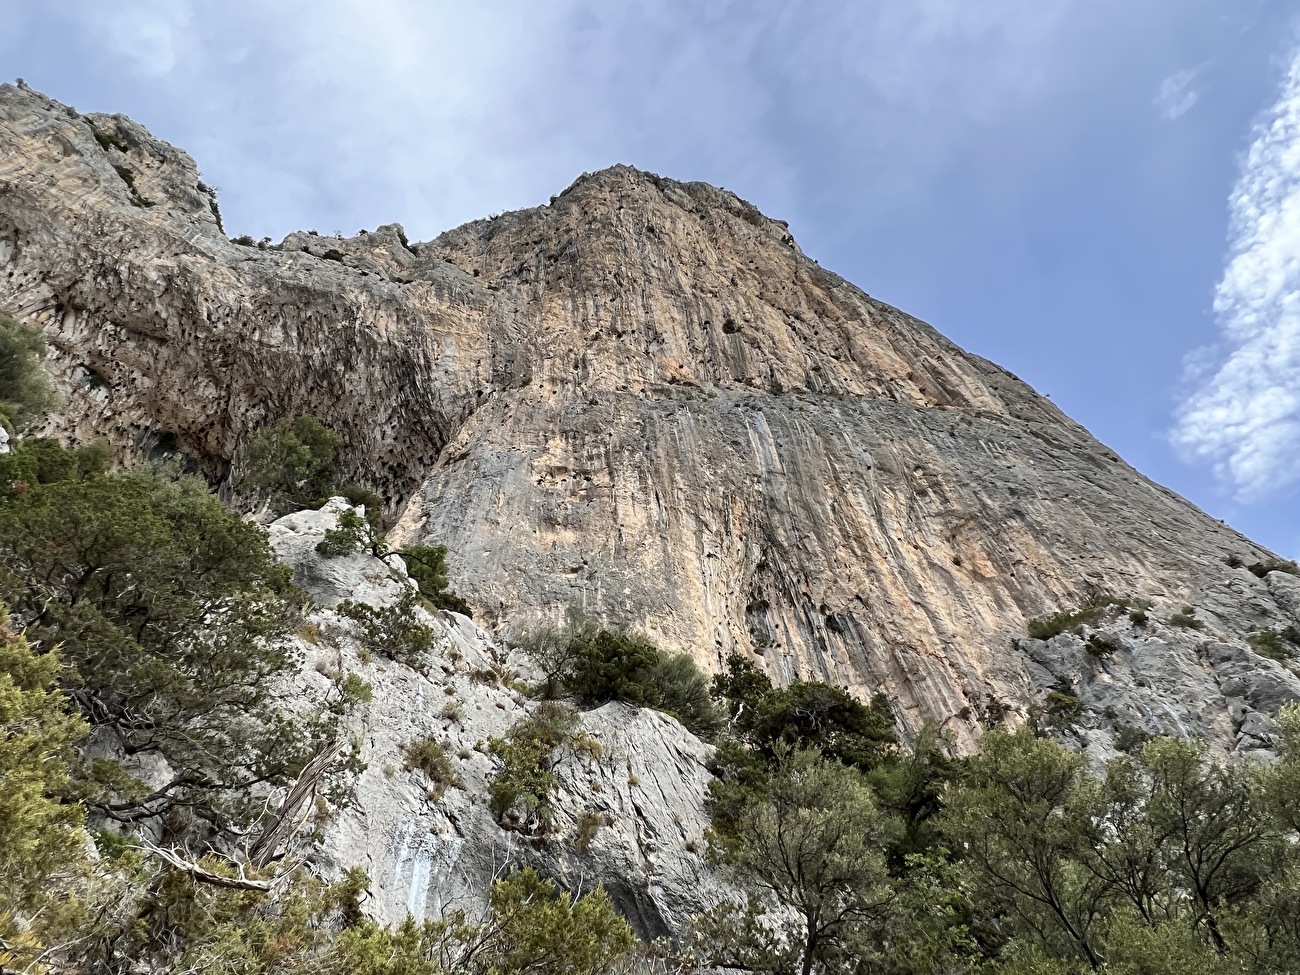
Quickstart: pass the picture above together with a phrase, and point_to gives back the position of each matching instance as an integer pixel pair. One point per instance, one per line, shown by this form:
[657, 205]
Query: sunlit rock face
[643, 399]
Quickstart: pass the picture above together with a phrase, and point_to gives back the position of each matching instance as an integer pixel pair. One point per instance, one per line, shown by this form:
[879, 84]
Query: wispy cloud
[1244, 416]
[1178, 93]
[334, 114]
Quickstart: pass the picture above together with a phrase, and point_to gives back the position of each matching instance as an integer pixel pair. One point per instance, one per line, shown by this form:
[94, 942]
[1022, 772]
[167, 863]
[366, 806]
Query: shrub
[991, 712]
[38, 831]
[291, 462]
[350, 535]
[1061, 711]
[1102, 646]
[244, 240]
[1130, 739]
[25, 393]
[452, 711]
[364, 497]
[554, 649]
[173, 614]
[624, 666]
[589, 824]
[1263, 568]
[427, 565]
[524, 779]
[1186, 618]
[393, 631]
[428, 755]
[681, 690]
[807, 714]
[1268, 643]
[1091, 612]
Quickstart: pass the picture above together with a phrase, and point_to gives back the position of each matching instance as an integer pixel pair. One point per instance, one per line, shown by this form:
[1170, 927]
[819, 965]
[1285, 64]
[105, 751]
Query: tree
[1218, 843]
[427, 565]
[612, 666]
[25, 392]
[291, 463]
[555, 649]
[39, 831]
[742, 686]
[173, 615]
[1013, 819]
[681, 690]
[813, 841]
[536, 929]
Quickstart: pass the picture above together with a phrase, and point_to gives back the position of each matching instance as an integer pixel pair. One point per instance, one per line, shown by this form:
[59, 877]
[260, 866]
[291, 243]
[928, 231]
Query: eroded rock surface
[428, 850]
[641, 398]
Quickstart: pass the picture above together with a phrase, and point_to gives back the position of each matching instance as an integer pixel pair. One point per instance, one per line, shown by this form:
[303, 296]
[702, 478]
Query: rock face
[641, 398]
[428, 850]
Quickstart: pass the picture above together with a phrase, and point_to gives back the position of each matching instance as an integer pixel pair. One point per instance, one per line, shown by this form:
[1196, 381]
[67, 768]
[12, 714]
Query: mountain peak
[644, 400]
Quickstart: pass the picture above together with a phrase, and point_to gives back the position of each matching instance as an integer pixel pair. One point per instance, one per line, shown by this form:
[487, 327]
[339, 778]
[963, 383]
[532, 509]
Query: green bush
[429, 756]
[393, 631]
[427, 565]
[25, 392]
[38, 828]
[807, 714]
[1186, 618]
[598, 665]
[172, 613]
[291, 463]
[1263, 568]
[1268, 643]
[363, 497]
[1091, 613]
[524, 779]
[605, 665]
[350, 535]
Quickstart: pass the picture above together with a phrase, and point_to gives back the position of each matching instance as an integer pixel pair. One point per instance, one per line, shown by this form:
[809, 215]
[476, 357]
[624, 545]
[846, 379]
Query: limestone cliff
[642, 398]
[638, 796]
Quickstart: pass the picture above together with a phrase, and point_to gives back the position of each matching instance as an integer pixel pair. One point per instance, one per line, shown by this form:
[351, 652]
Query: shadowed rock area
[643, 399]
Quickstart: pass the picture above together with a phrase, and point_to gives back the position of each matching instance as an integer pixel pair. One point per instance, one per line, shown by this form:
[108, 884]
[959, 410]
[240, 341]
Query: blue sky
[1101, 195]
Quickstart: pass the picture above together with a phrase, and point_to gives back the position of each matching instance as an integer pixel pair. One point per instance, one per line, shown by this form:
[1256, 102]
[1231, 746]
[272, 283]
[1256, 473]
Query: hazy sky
[1101, 195]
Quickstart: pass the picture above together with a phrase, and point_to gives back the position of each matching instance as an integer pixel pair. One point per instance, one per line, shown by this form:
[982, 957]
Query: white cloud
[1244, 417]
[1177, 94]
[334, 114]
[151, 34]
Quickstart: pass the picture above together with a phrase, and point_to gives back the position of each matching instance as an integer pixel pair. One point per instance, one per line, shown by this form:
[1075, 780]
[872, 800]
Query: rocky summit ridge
[642, 398]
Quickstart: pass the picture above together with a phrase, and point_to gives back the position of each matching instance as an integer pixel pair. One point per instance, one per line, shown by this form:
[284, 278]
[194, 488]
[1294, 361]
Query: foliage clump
[1091, 613]
[395, 631]
[38, 731]
[1186, 619]
[25, 392]
[291, 463]
[430, 757]
[427, 565]
[1263, 568]
[1273, 644]
[173, 616]
[598, 665]
[806, 714]
[525, 779]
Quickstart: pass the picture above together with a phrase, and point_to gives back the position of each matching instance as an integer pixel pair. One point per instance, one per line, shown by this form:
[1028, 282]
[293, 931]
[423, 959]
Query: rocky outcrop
[1112, 685]
[641, 398]
[629, 815]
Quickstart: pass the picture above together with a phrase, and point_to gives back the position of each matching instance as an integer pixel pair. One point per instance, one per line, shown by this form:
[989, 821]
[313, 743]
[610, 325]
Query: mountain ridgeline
[644, 400]
[599, 589]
